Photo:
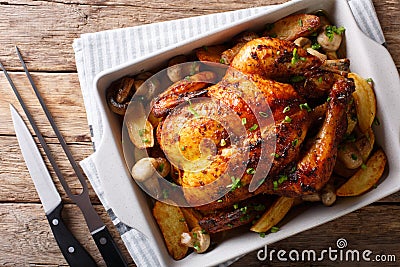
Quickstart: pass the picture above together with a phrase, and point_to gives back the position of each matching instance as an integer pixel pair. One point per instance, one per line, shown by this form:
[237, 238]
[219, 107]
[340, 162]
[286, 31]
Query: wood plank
[62, 94]
[46, 40]
[16, 184]
[27, 239]
[364, 229]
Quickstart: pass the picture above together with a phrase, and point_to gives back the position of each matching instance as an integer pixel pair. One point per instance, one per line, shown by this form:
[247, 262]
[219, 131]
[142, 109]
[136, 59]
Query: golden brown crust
[272, 58]
[294, 26]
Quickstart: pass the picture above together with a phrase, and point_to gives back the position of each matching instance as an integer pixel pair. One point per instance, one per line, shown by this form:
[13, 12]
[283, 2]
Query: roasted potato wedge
[192, 217]
[365, 178]
[365, 144]
[211, 53]
[294, 26]
[139, 129]
[365, 101]
[172, 224]
[273, 215]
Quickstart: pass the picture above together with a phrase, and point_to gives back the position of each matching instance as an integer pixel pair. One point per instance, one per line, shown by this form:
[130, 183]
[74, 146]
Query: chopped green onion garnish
[316, 46]
[219, 200]
[182, 219]
[275, 185]
[287, 119]
[305, 106]
[235, 206]
[295, 57]
[235, 183]
[300, 23]
[320, 79]
[274, 229]
[286, 109]
[331, 30]
[222, 61]
[250, 171]
[328, 99]
[275, 155]
[282, 178]
[363, 166]
[183, 148]
[263, 114]
[194, 112]
[243, 209]
[244, 121]
[253, 128]
[142, 132]
[262, 235]
[369, 80]
[294, 142]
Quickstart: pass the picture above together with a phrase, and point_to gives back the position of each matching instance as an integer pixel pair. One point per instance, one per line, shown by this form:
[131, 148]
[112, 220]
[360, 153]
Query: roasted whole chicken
[259, 86]
[257, 126]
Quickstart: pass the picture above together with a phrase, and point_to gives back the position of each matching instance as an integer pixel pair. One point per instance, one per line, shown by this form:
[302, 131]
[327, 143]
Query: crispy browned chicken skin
[256, 81]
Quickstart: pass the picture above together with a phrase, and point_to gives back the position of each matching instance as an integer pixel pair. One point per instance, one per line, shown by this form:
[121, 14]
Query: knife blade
[102, 237]
[74, 253]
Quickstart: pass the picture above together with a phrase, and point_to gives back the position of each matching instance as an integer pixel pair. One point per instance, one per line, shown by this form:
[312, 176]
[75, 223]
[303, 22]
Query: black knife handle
[108, 249]
[73, 252]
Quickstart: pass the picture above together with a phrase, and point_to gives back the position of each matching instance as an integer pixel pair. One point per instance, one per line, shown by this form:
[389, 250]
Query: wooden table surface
[44, 31]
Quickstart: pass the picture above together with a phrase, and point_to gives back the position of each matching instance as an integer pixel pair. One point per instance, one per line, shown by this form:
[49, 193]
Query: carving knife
[102, 237]
[72, 250]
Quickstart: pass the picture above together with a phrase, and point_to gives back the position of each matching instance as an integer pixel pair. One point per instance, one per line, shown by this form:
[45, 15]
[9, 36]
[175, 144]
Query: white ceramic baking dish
[368, 58]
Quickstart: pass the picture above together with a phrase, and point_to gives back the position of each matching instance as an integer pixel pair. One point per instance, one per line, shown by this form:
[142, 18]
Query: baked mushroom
[144, 172]
[177, 70]
[303, 42]
[330, 38]
[197, 239]
[119, 95]
[145, 87]
[328, 195]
